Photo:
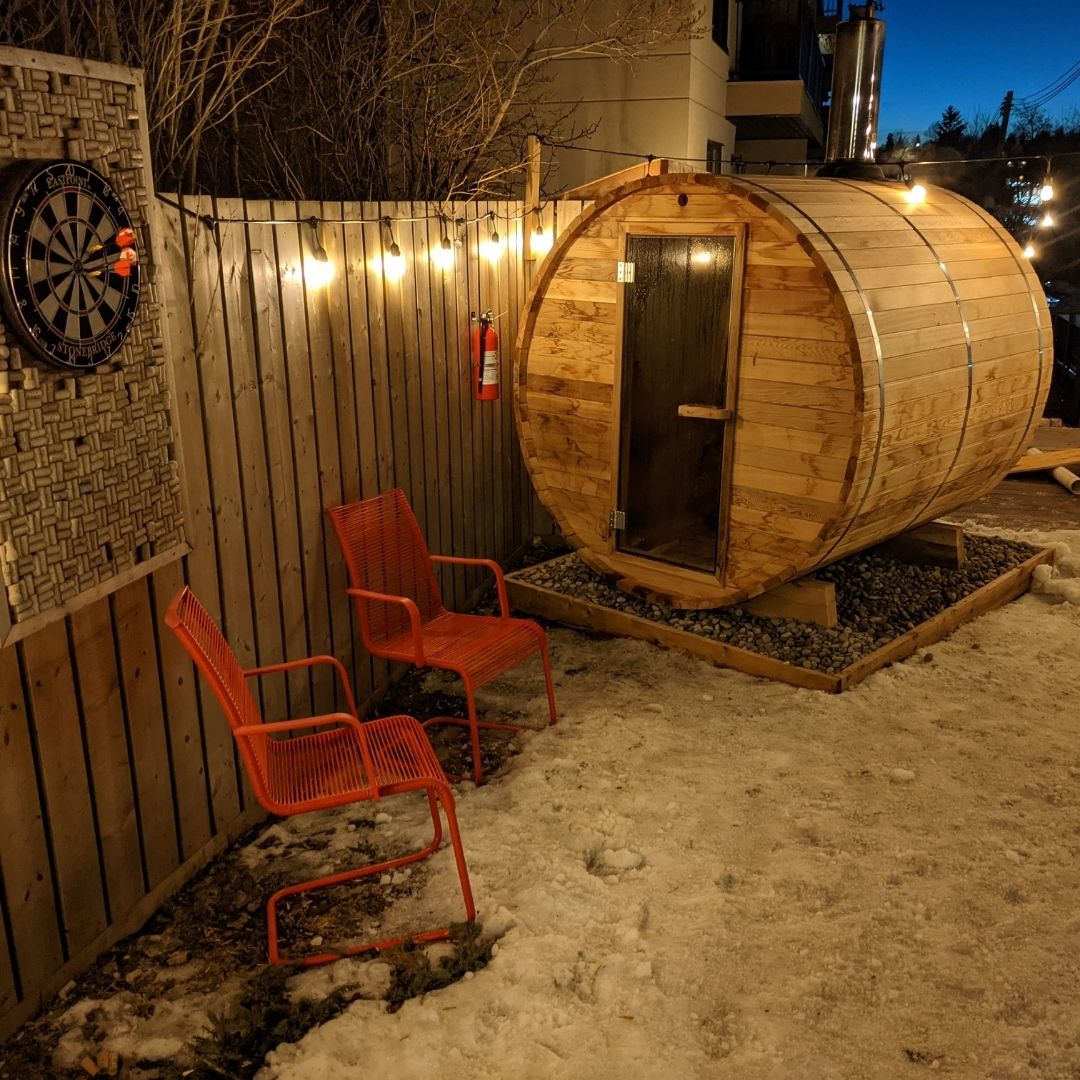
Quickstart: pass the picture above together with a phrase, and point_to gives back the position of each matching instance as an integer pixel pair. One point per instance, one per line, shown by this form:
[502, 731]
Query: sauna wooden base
[549, 604]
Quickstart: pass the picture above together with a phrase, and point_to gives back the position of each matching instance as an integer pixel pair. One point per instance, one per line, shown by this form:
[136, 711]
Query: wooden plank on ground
[65, 784]
[935, 544]
[808, 600]
[1046, 460]
[549, 604]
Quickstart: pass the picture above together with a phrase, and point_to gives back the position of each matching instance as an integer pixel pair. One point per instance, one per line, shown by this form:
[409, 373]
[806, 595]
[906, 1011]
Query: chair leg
[545, 660]
[437, 795]
[475, 726]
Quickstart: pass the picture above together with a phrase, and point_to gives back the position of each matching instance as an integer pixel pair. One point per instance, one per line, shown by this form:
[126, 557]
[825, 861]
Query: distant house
[753, 86]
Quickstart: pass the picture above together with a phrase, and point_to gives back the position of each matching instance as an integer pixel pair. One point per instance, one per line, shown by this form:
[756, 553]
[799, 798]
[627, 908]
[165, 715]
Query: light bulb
[1046, 192]
[1047, 221]
[916, 193]
[443, 255]
[541, 241]
[492, 249]
[1029, 252]
[394, 264]
[318, 272]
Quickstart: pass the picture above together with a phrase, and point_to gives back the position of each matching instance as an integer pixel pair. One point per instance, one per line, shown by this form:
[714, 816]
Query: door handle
[705, 412]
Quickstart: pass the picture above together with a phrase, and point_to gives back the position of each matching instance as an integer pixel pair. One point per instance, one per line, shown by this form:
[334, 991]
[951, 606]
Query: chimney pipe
[856, 94]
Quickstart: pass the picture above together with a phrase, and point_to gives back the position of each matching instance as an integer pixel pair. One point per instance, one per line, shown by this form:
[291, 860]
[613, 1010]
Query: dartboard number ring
[71, 279]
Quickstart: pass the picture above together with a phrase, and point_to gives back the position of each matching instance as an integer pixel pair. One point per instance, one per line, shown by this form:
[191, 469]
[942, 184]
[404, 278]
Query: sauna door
[677, 328]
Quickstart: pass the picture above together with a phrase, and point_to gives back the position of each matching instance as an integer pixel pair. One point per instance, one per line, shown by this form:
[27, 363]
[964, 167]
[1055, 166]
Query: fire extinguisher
[485, 359]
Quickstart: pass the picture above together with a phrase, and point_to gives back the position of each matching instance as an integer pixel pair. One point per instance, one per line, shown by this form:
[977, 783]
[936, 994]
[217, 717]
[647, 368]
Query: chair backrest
[386, 553]
[200, 636]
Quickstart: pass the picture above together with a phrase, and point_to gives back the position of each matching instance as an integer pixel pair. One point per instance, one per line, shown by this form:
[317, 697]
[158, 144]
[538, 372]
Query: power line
[1058, 86]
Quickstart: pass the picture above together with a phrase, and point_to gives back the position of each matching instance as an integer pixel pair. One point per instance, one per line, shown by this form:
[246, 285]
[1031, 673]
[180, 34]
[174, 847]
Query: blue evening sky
[940, 53]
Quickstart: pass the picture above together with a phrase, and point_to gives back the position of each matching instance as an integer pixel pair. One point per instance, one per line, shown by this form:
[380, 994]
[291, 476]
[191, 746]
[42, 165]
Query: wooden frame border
[549, 604]
[11, 631]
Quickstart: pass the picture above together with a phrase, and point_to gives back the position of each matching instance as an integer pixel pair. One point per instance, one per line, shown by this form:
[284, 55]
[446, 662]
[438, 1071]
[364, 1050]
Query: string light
[1047, 221]
[492, 248]
[443, 255]
[392, 263]
[318, 269]
[1029, 251]
[916, 192]
[541, 241]
[1046, 192]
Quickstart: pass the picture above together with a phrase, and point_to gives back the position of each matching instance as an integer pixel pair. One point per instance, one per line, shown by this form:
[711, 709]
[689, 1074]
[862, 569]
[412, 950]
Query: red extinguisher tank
[485, 359]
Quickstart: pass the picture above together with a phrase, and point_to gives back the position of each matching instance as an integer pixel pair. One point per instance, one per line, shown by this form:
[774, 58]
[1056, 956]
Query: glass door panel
[676, 322]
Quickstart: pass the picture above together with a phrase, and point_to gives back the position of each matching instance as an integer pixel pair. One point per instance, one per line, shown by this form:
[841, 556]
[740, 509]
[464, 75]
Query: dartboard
[70, 285]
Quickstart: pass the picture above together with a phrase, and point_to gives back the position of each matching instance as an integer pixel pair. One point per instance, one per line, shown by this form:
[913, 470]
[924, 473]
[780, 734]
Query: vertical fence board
[381, 394]
[365, 341]
[305, 452]
[218, 431]
[201, 564]
[132, 616]
[324, 389]
[65, 786]
[24, 855]
[251, 451]
[471, 416]
[425, 367]
[440, 429]
[110, 764]
[194, 815]
[457, 385]
[9, 991]
[345, 359]
[273, 381]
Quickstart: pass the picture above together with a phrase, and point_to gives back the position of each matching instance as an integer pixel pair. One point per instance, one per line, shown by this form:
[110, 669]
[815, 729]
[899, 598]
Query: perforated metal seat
[347, 762]
[402, 616]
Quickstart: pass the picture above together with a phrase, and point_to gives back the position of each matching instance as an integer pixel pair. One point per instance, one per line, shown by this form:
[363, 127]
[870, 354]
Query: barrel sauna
[723, 383]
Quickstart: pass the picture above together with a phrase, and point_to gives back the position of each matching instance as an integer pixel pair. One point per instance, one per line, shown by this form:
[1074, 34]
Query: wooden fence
[119, 778]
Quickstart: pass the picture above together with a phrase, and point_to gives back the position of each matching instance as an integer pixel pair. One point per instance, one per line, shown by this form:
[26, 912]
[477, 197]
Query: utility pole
[1006, 109]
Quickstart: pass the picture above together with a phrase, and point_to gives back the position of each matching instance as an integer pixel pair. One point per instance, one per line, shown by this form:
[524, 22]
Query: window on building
[720, 10]
[714, 156]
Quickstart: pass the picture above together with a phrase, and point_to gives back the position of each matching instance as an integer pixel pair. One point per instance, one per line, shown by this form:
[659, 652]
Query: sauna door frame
[683, 227]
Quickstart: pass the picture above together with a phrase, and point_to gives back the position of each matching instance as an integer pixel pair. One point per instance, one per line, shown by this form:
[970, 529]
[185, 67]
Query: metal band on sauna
[877, 350]
[970, 356]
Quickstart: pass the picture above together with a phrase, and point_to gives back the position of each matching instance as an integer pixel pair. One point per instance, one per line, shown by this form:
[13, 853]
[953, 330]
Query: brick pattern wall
[89, 482]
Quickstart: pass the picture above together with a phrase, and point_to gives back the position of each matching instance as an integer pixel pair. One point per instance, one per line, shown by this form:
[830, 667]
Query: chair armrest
[320, 721]
[493, 566]
[409, 606]
[309, 661]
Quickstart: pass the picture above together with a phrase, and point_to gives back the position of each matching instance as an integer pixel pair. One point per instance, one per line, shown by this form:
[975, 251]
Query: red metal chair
[345, 763]
[402, 616]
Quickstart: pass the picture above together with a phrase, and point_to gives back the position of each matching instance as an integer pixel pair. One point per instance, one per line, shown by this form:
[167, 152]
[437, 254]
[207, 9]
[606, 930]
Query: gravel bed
[878, 598]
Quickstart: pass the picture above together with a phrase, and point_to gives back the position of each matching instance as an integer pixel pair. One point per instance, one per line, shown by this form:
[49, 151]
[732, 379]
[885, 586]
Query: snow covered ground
[698, 874]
